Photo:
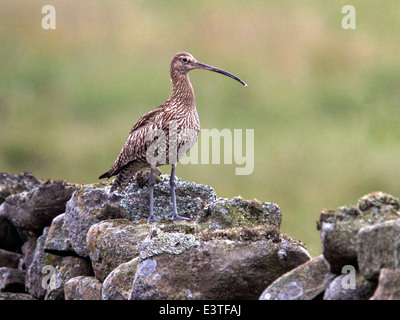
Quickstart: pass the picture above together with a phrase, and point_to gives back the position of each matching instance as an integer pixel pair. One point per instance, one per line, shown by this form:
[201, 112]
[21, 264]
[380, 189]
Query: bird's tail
[105, 175]
[125, 176]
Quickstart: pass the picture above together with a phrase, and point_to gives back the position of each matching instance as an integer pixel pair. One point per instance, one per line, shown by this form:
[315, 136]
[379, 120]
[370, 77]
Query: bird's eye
[184, 60]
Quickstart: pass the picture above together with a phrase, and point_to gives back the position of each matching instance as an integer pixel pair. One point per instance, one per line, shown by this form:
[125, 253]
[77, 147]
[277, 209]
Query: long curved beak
[199, 65]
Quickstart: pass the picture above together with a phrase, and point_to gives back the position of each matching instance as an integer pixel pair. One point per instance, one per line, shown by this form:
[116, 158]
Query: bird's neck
[182, 90]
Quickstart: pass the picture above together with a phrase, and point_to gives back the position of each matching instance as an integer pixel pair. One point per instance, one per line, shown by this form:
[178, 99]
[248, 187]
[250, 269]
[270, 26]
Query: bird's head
[183, 62]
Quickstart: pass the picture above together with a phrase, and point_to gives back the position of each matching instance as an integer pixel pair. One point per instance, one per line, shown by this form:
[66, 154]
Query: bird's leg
[174, 214]
[152, 217]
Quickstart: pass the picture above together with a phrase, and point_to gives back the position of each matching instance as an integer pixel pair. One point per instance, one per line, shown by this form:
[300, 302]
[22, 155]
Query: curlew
[163, 135]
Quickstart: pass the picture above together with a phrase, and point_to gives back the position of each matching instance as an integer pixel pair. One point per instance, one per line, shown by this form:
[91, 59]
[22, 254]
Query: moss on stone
[243, 234]
[237, 212]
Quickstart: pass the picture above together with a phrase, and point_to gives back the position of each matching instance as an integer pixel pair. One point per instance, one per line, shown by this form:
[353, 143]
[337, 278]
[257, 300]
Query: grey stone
[379, 247]
[112, 242]
[28, 251]
[58, 240]
[31, 211]
[93, 203]
[35, 283]
[13, 184]
[118, 284]
[191, 198]
[216, 266]
[66, 269]
[339, 230]
[15, 296]
[389, 285]
[9, 259]
[82, 288]
[228, 249]
[362, 290]
[237, 212]
[89, 205]
[304, 282]
[12, 280]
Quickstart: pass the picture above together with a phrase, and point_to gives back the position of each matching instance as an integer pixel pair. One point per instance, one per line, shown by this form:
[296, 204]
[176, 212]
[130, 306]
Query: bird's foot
[174, 216]
[153, 218]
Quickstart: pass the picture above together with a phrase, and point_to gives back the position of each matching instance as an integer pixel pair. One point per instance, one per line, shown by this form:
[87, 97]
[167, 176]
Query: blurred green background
[323, 101]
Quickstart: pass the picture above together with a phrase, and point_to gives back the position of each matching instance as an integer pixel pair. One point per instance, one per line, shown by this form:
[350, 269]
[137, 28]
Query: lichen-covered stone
[215, 269]
[94, 203]
[379, 204]
[112, 242]
[362, 290]
[67, 268]
[15, 296]
[87, 206]
[228, 249]
[389, 285]
[378, 247]
[31, 211]
[237, 212]
[82, 288]
[191, 198]
[34, 274]
[13, 184]
[160, 240]
[304, 282]
[339, 230]
[58, 240]
[118, 284]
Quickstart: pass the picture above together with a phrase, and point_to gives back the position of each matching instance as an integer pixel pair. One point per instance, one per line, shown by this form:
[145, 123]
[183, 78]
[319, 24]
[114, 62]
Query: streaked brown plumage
[165, 134]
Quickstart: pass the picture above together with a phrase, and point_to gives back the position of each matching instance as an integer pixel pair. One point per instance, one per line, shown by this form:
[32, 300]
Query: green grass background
[323, 101]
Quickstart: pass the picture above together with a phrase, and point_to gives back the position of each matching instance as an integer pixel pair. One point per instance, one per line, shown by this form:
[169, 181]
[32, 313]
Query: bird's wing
[136, 144]
[147, 118]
